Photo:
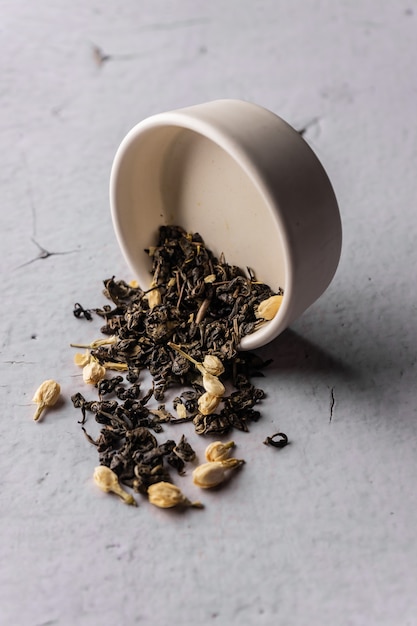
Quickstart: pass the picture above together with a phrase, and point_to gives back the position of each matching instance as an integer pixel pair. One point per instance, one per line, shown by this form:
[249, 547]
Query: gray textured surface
[322, 532]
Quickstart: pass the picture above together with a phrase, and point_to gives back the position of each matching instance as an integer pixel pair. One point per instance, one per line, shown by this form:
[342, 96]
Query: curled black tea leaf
[79, 311]
[279, 440]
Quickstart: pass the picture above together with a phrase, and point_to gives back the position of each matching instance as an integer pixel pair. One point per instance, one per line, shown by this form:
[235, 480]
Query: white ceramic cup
[247, 182]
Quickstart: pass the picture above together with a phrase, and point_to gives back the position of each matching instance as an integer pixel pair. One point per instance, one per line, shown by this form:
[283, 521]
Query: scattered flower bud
[107, 480]
[181, 410]
[208, 403]
[81, 359]
[46, 395]
[213, 365]
[218, 451]
[268, 308]
[115, 366]
[213, 473]
[210, 365]
[93, 372]
[154, 296]
[166, 495]
[134, 284]
[96, 343]
[210, 278]
[213, 385]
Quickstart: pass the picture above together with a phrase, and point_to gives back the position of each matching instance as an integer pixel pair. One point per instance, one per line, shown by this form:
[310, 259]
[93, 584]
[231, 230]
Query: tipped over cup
[247, 182]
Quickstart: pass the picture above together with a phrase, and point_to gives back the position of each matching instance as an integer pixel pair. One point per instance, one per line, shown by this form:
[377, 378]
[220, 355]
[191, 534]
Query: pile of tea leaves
[185, 331]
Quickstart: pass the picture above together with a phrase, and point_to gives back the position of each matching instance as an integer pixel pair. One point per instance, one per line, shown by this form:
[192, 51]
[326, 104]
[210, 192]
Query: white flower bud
[218, 451]
[107, 480]
[166, 495]
[93, 372]
[81, 359]
[213, 365]
[181, 410]
[46, 395]
[116, 367]
[214, 473]
[207, 403]
[213, 385]
[108, 341]
[154, 298]
[268, 308]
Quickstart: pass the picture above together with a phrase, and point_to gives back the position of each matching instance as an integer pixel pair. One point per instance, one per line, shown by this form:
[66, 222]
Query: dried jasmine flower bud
[210, 278]
[93, 372]
[81, 359]
[134, 284]
[115, 366]
[107, 480]
[181, 410]
[214, 473]
[166, 496]
[218, 451]
[268, 308]
[208, 403]
[213, 385]
[96, 343]
[153, 296]
[213, 365]
[46, 395]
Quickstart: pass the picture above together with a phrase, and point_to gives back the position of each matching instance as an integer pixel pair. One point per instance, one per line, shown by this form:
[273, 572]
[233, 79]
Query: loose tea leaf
[279, 440]
[79, 311]
[185, 331]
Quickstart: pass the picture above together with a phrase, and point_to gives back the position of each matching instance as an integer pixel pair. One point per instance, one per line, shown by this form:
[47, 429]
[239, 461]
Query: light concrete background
[321, 532]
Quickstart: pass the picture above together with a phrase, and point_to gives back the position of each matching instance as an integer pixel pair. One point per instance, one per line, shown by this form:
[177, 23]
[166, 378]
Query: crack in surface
[43, 254]
[100, 57]
[313, 122]
[332, 403]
